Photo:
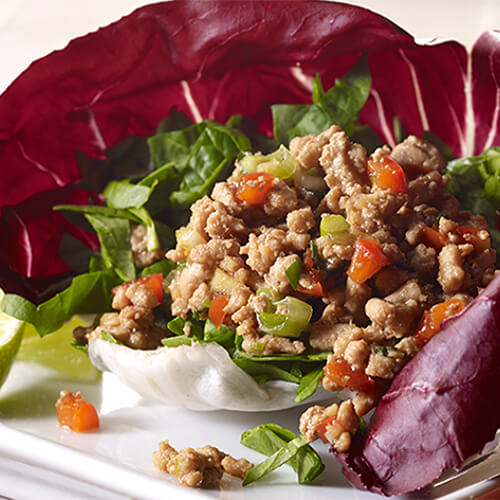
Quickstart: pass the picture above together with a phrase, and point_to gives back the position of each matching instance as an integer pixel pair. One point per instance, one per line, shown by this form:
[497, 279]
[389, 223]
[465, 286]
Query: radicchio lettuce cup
[213, 60]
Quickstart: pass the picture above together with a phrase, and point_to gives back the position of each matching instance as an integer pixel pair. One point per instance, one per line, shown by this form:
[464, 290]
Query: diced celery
[333, 224]
[291, 320]
[281, 163]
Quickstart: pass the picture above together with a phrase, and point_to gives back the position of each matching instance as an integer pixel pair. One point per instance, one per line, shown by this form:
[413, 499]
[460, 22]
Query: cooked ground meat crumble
[200, 468]
[400, 258]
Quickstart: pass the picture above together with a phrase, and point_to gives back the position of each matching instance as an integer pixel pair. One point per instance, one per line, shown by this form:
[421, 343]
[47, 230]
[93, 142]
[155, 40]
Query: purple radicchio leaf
[485, 127]
[440, 409]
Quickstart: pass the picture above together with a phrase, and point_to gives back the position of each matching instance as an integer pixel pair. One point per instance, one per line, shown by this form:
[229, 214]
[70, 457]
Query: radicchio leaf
[439, 410]
[486, 91]
[215, 59]
[33, 226]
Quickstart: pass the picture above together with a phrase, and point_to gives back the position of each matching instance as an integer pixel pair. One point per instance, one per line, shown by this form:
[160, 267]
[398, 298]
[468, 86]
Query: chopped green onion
[314, 251]
[333, 224]
[257, 347]
[271, 296]
[271, 321]
[281, 163]
[343, 239]
[293, 318]
[293, 273]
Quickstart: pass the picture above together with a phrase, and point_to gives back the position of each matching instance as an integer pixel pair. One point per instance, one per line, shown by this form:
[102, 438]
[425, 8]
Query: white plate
[116, 461]
[118, 456]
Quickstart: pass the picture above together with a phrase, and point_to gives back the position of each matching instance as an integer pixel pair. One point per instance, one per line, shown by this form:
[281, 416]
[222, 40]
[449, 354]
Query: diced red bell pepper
[320, 428]
[368, 260]
[253, 188]
[216, 313]
[76, 413]
[431, 321]
[154, 282]
[388, 174]
[433, 238]
[318, 288]
[341, 373]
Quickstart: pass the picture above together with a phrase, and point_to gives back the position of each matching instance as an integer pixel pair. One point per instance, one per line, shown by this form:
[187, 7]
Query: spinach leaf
[248, 127]
[269, 438]
[303, 358]
[209, 159]
[123, 194]
[277, 459]
[88, 293]
[162, 266]
[271, 371]
[127, 158]
[177, 326]
[162, 182]
[308, 384]
[174, 146]
[340, 106]
[114, 237]
[174, 121]
[222, 335]
[177, 341]
[152, 241]
[96, 264]
[99, 210]
[285, 119]
[75, 254]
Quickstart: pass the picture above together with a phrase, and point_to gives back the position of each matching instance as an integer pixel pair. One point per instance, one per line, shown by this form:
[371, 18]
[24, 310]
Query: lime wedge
[57, 352]
[11, 334]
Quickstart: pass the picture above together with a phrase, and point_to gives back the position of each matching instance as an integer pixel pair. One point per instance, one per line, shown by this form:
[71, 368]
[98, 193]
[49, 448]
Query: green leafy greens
[340, 106]
[269, 439]
[475, 181]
